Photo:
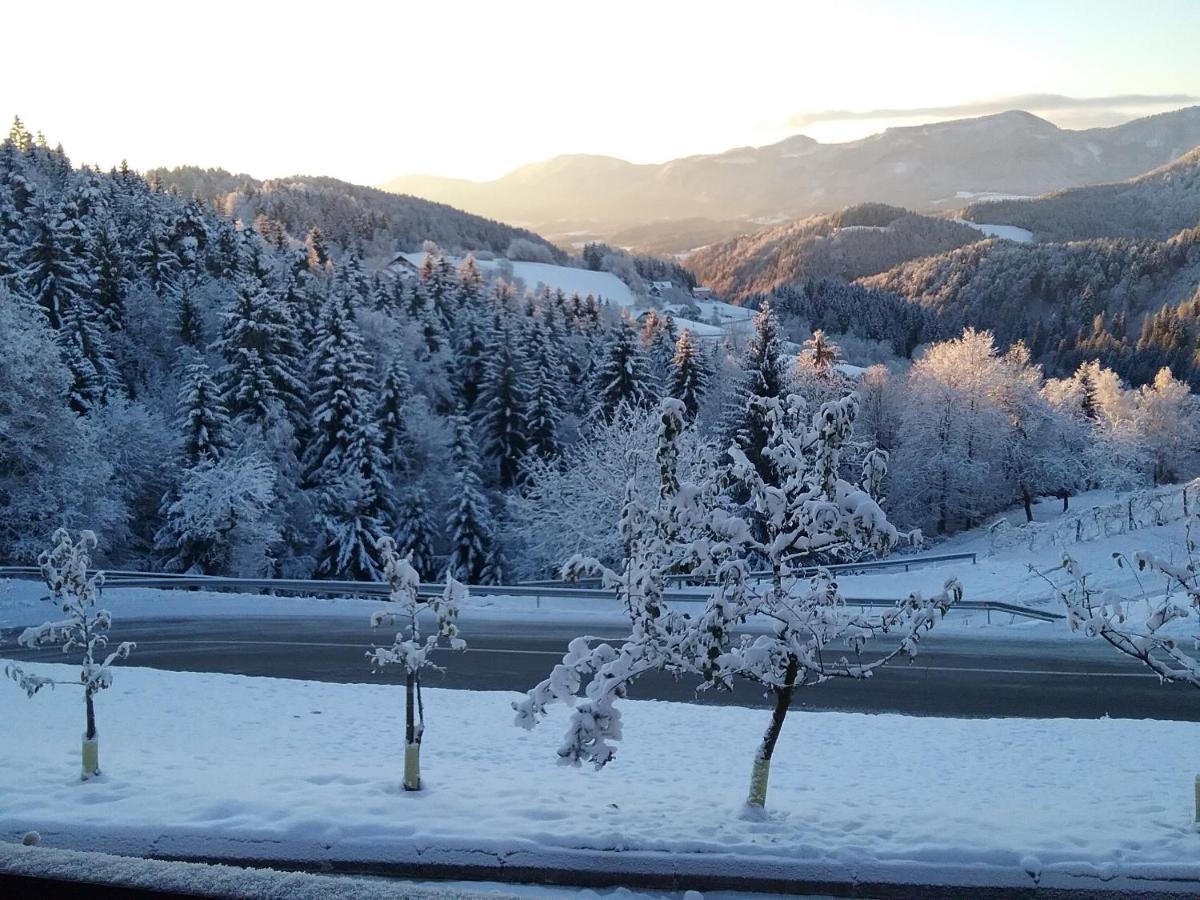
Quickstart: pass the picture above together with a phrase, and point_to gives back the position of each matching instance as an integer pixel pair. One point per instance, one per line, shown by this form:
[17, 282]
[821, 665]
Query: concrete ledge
[655, 870]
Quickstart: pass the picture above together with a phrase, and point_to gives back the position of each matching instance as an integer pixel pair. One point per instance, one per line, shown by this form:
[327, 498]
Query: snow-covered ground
[1008, 232]
[22, 605]
[1005, 574]
[259, 768]
[602, 285]
[606, 286]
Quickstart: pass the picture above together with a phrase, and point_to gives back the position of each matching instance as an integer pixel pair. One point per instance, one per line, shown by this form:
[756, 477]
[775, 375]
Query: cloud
[1028, 102]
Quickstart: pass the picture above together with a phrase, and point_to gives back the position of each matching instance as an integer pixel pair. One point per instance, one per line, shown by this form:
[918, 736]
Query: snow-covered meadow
[230, 766]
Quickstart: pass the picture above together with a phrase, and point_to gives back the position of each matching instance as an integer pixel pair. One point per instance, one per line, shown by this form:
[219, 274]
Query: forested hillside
[363, 220]
[1069, 302]
[860, 240]
[215, 399]
[1153, 206]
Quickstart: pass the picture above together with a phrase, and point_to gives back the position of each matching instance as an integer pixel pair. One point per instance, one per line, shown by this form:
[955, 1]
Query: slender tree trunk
[1066, 499]
[91, 716]
[1028, 501]
[762, 758]
[412, 739]
[90, 763]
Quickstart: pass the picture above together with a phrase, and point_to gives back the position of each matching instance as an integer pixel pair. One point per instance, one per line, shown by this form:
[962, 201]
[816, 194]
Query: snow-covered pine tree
[659, 336]
[472, 535]
[545, 378]
[440, 284]
[88, 355]
[623, 373]
[394, 395]
[156, 259]
[819, 355]
[343, 461]
[53, 271]
[409, 649]
[260, 344]
[75, 591]
[189, 239]
[107, 261]
[503, 409]
[471, 340]
[415, 531]
[317, 251]
[202, 416]
[188, 321]
[688, 381]
[762, 378]
[471, 285]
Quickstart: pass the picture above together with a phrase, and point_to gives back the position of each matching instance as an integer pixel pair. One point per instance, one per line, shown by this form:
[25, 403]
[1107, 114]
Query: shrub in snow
[65, 569]
[410, 650]
[1137, 627]
[806, 509]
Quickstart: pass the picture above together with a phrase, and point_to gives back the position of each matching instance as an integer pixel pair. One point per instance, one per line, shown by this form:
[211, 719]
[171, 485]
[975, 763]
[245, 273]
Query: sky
[369, 91]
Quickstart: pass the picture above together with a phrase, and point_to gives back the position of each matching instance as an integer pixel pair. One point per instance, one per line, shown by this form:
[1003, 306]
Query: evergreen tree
[414, 532]
[470, 287]
[623, 374]
[440, 284]
[189, 238]
[472, 550]
[762, 378]
[317, 255]
[260, 345]
[504, 402]
[88, 356]
[689, 377]
[202, 417]
[395, 440]
[107, 262]
[470, 355]
[53, 272]
[819, 356]
[343, 461]
[157, 261]
[546, 400]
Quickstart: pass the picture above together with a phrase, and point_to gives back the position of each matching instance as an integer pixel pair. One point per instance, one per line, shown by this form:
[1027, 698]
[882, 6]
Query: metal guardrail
[896, 562]
[320, 587]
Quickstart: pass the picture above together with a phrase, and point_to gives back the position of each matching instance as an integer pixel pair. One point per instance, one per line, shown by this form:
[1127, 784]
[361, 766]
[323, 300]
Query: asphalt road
[955, 675]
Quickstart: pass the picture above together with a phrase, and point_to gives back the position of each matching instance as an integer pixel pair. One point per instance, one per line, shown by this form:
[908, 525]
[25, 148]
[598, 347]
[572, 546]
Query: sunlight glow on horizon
[367, 95]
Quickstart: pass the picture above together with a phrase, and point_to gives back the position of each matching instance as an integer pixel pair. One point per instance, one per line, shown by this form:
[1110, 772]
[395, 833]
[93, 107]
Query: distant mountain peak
[926, 167]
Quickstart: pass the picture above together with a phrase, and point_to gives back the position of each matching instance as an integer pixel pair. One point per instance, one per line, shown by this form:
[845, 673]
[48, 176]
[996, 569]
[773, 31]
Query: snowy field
[607, 286]
[233, 767]
[570, 280]
[1008, 232]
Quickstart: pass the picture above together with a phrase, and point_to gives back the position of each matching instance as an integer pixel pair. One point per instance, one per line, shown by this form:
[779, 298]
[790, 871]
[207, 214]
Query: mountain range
[1155, 205]
[934, 167]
